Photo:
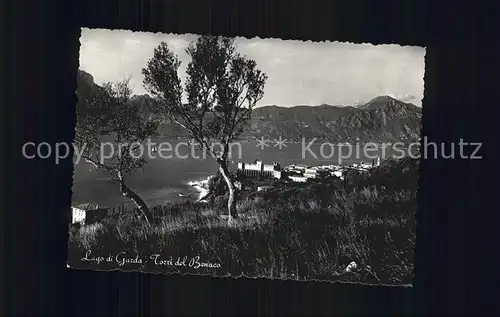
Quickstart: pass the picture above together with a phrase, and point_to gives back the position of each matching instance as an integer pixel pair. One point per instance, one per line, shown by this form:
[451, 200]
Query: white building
[364, 166]
[78, 215]
[264, 188]
[258, 169]
[298, 179]
[298, 168]
[315, 173]
[329, 167]
[338, 173]
[79, 212]
[87, 212]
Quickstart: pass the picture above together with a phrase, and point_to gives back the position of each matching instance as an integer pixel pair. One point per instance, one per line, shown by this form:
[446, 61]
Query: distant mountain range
[383, 119]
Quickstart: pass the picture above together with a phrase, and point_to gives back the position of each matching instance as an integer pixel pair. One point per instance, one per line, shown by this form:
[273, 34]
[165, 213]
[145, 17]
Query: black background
[456, 265]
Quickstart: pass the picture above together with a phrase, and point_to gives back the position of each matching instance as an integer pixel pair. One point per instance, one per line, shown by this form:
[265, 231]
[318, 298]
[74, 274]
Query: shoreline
[201, 186]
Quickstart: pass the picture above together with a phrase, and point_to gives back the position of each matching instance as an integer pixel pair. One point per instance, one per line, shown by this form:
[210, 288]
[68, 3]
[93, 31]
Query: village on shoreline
[300, 140]
[293, 173]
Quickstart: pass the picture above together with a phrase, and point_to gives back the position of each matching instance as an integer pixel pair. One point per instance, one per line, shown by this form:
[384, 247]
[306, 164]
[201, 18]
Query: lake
[161, 180]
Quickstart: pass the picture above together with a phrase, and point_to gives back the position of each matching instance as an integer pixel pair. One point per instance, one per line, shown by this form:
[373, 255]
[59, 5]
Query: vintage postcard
[250, 157]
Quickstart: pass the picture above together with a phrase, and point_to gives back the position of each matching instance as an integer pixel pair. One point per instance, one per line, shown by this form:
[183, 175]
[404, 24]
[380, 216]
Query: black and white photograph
[246, 157]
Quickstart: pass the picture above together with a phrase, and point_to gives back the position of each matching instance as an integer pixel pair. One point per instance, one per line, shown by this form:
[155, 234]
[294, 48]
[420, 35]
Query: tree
[105, 116]
[222, 87]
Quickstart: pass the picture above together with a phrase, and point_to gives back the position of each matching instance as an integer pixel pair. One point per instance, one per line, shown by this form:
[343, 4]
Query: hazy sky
[300, 73]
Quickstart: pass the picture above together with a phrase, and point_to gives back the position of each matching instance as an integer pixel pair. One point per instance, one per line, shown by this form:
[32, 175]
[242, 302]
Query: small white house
[78, 215]
[79, 212]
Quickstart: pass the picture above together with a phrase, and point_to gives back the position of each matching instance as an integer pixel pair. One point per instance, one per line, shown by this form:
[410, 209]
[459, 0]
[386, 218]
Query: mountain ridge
[382, 119]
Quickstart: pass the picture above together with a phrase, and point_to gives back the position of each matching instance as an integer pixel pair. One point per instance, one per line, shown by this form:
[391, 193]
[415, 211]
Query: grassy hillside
[305, 232]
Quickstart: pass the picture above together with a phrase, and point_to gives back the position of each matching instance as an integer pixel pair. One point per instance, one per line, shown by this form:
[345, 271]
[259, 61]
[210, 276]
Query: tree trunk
[231, 203]
[143, 208]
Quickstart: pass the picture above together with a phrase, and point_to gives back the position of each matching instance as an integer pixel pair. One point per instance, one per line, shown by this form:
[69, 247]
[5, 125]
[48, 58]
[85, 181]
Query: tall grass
[292, 237]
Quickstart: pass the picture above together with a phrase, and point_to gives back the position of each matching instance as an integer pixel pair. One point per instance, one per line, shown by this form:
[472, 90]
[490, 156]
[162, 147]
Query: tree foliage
[108, 122]
[110, 133]
[222, 88]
